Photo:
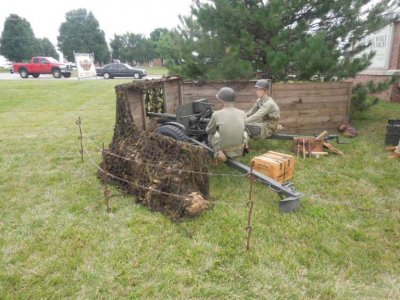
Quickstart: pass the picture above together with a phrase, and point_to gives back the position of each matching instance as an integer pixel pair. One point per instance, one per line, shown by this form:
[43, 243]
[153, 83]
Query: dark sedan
[120, 70]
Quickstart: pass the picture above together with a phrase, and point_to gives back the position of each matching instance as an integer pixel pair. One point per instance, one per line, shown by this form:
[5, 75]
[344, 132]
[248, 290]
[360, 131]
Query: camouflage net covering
[164, 174]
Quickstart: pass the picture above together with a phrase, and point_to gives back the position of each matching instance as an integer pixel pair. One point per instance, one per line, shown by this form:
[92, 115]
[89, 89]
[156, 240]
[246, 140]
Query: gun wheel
[172, 132]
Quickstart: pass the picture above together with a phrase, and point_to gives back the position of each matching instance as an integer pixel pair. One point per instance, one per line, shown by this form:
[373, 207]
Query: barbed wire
[157, 165]
[313, 198]
[180, 170]
[144, 187]
[124, 180]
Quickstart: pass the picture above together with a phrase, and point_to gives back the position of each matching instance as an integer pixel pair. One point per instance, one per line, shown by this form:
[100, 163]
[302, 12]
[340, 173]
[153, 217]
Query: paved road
[9, 76]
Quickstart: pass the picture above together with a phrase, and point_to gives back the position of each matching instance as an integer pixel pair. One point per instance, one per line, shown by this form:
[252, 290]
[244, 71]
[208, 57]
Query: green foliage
[81, 33]
[156, 36]
[132, 48]
[17, 42]
[361, 100]
[277, 37]
[46, 48]
[57, 240]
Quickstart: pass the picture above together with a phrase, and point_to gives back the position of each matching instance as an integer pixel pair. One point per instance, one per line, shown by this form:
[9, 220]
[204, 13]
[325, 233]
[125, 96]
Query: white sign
[85, 65]
[381, 44]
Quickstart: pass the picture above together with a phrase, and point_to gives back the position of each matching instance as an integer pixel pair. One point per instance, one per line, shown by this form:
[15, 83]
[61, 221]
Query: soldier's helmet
[262, 84]
[226, 94]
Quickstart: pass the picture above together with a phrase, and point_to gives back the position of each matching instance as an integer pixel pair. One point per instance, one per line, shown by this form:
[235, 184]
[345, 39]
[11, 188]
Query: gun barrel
[161, 115]
[290, 203]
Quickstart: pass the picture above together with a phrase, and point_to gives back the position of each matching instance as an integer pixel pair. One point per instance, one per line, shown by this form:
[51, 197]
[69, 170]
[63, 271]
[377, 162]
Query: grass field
[58, 241]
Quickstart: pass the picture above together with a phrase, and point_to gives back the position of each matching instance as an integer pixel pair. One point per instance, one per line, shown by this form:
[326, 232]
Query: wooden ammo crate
[307, 145]
[278, 166]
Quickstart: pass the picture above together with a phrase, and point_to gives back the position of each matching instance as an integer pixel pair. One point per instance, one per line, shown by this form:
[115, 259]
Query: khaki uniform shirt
[226, 131]
[265, 113]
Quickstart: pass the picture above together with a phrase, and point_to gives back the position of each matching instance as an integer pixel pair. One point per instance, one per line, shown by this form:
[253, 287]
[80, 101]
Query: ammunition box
[278, 166]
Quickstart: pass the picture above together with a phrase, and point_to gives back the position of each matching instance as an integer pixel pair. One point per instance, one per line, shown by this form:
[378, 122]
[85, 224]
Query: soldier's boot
[245, 150]
[390, 149]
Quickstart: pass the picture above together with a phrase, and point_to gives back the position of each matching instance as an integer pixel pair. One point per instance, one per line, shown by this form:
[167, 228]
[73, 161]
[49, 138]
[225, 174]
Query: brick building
[386, 44]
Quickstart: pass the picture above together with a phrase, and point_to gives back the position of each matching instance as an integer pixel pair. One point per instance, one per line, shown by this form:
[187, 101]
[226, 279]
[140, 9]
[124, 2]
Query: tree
[117, 45]
[17, 42]
[155, 36]
[132, 48]
[81, 33]
[157, 33]
[45, 48]
[231, 39]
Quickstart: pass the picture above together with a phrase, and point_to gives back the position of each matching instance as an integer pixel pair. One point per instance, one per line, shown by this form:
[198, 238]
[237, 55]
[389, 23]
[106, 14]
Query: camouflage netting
[163, 174]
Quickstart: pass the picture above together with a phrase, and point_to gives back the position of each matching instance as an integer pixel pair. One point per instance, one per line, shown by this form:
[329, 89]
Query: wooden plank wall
[136, 105]
[305, 107]
[134, 94]
[172, 94]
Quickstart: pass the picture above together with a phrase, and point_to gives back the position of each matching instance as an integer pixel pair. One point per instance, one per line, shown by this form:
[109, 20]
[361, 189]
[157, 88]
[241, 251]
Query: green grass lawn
[58, 241]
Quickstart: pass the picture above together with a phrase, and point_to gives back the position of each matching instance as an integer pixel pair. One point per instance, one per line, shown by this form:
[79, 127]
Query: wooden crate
[278, 166]
[307, 145]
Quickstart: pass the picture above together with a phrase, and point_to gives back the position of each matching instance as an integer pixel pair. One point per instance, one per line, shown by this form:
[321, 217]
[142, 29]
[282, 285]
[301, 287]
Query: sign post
[85, 65]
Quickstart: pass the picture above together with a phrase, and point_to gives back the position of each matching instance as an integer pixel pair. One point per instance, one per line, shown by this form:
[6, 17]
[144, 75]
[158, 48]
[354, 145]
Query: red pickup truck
[42, 65]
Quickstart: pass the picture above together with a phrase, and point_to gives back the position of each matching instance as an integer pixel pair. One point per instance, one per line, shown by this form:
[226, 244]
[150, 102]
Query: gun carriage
[189, 125]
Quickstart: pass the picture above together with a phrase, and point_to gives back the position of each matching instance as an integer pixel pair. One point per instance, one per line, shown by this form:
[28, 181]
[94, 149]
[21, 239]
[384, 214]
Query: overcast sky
[115, 16]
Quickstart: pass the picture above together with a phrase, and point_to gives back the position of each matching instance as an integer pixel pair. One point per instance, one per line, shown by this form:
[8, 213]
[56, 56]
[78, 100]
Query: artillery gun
[189, 124]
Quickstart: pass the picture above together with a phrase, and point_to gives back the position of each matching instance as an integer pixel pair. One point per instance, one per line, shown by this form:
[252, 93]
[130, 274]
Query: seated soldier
[265, 113]
[226, 127]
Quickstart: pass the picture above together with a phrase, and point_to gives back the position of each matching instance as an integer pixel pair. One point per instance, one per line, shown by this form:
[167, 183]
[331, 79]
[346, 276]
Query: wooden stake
[250, 203]
[105, 180]
[78, 122]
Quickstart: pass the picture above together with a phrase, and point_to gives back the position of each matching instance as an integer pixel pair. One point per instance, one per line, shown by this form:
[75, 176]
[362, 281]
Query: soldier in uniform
[265, 113]
[226, 127]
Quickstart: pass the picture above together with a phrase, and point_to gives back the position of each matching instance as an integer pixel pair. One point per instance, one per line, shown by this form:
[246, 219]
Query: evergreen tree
[45, 48]
[81, 33]
[17, 42]
[231, 39]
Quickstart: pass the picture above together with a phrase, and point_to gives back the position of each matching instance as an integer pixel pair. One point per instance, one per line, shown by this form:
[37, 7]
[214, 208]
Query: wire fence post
[78, 122]
[250, 204]
[105, 180]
